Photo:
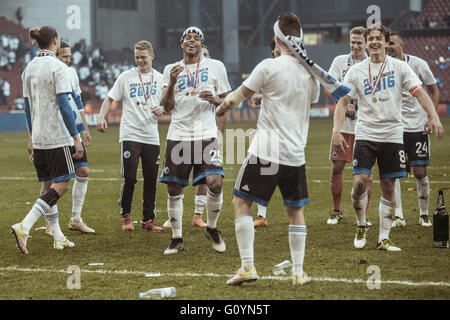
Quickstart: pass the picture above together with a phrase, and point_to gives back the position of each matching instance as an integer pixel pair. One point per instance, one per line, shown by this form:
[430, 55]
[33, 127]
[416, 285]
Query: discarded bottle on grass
[159, 293]
[279, 268]
[440, 224]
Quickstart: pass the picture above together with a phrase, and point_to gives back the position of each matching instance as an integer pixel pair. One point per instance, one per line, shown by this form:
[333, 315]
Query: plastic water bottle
[159, 293]
[279, 268]
[440, 224]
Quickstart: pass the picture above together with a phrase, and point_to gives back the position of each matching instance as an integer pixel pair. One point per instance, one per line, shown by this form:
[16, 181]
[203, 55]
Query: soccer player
[202, 189]
[283, 126]
[377, 83]
[260, 220]
[193, 87]
[417, 145]
[339, 67]
[81, 165]
[140, 90]
[54, 138]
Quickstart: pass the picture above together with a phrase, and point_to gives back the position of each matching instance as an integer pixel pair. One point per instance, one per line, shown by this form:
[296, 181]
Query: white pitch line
[215, 275]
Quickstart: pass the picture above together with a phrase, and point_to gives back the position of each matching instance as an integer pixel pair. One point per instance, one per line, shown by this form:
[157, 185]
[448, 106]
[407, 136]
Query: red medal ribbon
[374, 88]
[194, 85]
[143, 89]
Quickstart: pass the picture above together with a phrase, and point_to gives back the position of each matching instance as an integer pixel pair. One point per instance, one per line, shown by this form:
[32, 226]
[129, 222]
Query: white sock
[386, 211]
[39, 208]
[423, 193]
[262, 211]
[200, 203]
[245, 236]
[297, 241]
[398, 200]
[52, 219]
[78, 194]
[175, 212]
[360, 204]
[213, 206]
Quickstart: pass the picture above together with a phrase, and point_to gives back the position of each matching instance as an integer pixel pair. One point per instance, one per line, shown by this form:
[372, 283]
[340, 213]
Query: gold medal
[374, 99]
[145, 106]
[193, 93]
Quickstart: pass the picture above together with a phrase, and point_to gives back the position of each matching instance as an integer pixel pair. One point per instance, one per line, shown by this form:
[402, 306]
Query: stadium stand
[435, 14]
[435, 51]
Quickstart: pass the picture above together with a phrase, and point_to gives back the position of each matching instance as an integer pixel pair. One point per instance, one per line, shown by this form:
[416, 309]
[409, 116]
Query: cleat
[151, 226]
[218, 243]
[167, 224]
[260, 222]
[424, 221]
[62, 245]
[298, 280]
[21, 237]
[368, 223]
[197, 221]
[127, 224]
[175, 246]
[80, 226]
[242, 277]
[335, 217]
[398, 223]
[360, 238]
[387, 245]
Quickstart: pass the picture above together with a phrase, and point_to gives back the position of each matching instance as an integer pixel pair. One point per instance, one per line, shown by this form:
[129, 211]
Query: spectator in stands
[84, 72]
[6, 91]
[4, 65]
[101, 90]
[2, 96]
[19, 103]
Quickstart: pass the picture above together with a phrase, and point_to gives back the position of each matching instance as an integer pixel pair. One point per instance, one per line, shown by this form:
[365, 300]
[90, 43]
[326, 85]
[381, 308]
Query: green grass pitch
[199, 273]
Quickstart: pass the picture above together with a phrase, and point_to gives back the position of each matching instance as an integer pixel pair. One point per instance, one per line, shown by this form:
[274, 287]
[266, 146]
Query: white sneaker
[62, 245]
[80, 226]
[242, 276]
[176, 245]
[387, 245]
[21, 237]
[360, 237]
[425, 221]
[398, 223]
[167, 224]
[335, 217]
[218, 243]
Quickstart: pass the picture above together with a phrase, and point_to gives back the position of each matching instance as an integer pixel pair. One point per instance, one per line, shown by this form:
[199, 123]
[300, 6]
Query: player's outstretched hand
[339, 143]
[31, 151]
[87, 138]
[256, 99]
[350, 110]
[174, 72]
[102, 125]
[79, 151]
[158, 110]
[208, 96]
[434, 125]
[221, 110]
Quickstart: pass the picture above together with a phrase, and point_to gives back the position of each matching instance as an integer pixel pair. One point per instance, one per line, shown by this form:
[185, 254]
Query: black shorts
[54, 165]
[82, 162]
[417, 148]
[252, 184]
[181, 156]
[391, 158]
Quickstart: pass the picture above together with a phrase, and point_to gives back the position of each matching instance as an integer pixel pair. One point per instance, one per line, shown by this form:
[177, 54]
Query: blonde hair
[359, 31]
[144, 45]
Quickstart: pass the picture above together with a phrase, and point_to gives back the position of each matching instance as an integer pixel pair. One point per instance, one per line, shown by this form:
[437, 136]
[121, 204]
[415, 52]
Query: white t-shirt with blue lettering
[138, 124]
[380, 121]
[194, 118]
